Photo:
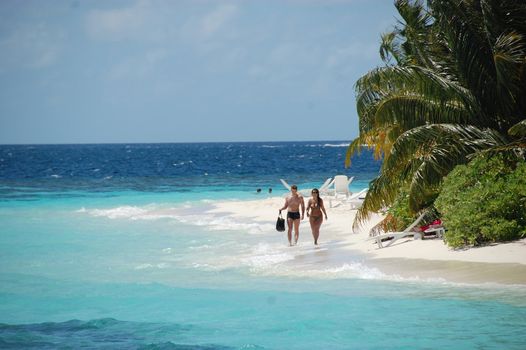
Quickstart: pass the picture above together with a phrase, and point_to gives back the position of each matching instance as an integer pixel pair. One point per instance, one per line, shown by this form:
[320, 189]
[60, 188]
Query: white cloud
[286, 62]
[344, 56]
[117, 24]
[158, 21]
[213, 21]
[46, 57]
[32, 46]
[207, 31]
[138, 67]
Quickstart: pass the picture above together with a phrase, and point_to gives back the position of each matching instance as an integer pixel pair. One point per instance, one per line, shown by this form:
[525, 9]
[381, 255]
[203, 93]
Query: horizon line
[162, 142]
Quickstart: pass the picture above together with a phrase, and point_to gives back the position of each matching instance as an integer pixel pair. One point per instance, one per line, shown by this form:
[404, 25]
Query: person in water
[315, 212]
[293, 202]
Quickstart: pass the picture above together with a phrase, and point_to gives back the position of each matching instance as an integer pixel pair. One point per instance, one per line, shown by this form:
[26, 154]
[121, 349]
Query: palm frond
[462, 25]
[510, 63]
[379, 82]
[380, 140]
[415, 31]
[519, 129]
[412, 110]
[390, 48]
[421, 157]
[504, 15]
[459, 139]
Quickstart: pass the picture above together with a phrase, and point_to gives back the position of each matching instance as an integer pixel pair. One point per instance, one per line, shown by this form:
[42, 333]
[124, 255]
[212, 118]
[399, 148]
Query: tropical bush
[484, 201]
[399, 216]
[453, 86]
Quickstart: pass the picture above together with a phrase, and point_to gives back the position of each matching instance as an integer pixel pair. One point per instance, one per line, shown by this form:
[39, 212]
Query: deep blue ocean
[113, 247]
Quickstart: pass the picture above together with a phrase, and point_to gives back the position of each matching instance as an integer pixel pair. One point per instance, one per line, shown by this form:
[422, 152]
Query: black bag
[280, 224]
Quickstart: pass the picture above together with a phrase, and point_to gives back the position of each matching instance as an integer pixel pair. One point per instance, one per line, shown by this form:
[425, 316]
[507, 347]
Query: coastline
[503, 263]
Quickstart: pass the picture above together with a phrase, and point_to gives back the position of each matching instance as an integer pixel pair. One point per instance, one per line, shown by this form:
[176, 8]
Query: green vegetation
[399, 216]
[453, 86]
[484, 201]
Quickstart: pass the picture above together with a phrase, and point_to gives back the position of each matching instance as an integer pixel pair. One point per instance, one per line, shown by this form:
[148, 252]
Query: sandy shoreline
[500, 263]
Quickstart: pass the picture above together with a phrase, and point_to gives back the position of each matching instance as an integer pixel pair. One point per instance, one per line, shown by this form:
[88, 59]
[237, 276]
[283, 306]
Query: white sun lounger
[390, 237]
[307, 192]
[356, 200]
[323, 188]
[341, 185]
[287, 186]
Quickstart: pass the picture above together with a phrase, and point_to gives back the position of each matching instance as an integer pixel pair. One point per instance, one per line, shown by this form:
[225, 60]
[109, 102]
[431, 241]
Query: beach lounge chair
[325, 186]
[307, 192]
[341, 185]
[287, 186]
[340, 191]
[356, 200]
[387, 239]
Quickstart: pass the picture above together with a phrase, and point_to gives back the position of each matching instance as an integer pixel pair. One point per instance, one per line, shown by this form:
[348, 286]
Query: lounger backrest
[287, 186]
[416, 222]
[359, 195]
[326, 184]
[341, 184]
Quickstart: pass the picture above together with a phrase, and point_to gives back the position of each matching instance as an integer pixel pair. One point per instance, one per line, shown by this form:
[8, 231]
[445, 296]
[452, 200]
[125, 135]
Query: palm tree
[457, 87]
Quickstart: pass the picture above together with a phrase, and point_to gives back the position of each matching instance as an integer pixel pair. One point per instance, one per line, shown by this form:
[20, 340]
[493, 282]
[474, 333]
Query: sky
[141, 71]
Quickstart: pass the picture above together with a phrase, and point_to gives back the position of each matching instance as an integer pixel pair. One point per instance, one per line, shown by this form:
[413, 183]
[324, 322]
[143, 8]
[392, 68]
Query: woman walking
[315, 212]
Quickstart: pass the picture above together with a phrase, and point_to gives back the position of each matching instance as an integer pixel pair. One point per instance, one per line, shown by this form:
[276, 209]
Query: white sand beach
[430, 258]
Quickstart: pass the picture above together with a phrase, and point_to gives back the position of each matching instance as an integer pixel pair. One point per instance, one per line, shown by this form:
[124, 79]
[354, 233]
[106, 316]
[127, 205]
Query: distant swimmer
[258, 190]
[270, 190]
[315, 212]
[293, 202]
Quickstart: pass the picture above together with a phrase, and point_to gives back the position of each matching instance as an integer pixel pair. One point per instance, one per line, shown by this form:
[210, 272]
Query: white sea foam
[348, 270]
[353, 269]
[265, 255]
[181, 163]
[266, 261]
[336, 145]
[153, 212]
[201, 266]
[152, 266]
[329, 145]
[226, 223]
[125, 212]
[200, 247]
[149, 212]
[362, 271]
[55, 176]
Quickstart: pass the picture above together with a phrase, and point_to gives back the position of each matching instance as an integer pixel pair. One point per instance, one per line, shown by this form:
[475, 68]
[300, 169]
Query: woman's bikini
[315, 207]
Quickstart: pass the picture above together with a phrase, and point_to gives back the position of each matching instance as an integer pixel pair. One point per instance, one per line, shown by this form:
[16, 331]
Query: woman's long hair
[318, 200]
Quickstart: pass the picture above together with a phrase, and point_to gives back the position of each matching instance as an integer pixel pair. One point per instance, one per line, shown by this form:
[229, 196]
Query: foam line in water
[152, 266]
[336, 145]
[184, 215]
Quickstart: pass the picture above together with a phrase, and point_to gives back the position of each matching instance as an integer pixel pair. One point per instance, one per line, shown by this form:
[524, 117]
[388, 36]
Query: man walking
[293, 202]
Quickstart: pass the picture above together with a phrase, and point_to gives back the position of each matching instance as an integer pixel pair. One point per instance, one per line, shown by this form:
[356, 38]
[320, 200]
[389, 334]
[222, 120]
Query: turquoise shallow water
[112, 247]
[141, 271]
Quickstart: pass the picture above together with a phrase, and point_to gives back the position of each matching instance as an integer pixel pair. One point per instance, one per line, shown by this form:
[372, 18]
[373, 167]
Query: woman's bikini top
[314, 206]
